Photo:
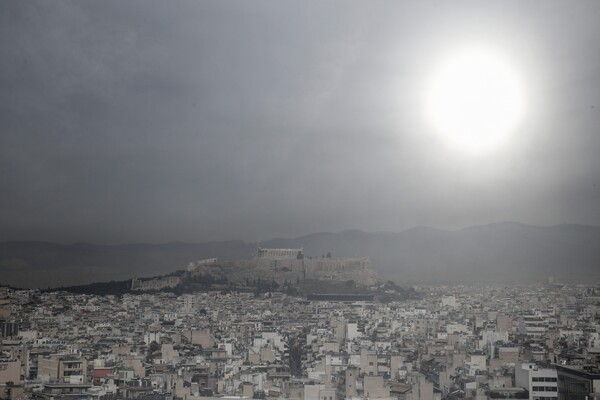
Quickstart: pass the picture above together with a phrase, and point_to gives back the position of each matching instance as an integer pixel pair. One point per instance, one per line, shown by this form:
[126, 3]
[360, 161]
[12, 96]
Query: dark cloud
[154, 121]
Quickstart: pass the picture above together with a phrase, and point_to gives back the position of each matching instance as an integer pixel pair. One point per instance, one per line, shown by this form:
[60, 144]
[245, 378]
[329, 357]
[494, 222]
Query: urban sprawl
[443, 342]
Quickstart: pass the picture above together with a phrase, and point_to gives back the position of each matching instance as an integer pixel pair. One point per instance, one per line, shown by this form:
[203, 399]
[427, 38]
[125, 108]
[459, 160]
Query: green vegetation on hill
[98, 288]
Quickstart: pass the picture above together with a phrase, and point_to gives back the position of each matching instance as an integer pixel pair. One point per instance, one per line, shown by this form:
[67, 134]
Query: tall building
[8, 329]
[533, 324]
[541, 382]
[61, 368]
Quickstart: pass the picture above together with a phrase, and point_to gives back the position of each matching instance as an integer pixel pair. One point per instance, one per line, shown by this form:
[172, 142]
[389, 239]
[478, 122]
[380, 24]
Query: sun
[474, 101]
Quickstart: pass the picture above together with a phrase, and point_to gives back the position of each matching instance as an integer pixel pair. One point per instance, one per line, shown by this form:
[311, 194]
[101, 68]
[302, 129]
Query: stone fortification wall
[359, 270]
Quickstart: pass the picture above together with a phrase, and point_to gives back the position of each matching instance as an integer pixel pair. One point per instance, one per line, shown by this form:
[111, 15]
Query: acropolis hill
[288, 264]
[279, 265]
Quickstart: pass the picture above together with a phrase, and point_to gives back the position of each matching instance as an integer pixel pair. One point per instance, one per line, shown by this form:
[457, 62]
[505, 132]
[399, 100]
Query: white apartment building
[542, 383]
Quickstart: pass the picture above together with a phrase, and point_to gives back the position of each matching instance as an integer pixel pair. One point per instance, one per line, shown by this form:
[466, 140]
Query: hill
[500, 252]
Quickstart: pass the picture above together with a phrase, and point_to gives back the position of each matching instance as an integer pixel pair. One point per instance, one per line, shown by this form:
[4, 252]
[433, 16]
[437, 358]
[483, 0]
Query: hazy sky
[196, 120]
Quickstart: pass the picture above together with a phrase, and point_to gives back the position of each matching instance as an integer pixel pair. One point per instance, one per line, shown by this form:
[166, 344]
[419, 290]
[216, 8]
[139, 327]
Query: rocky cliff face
[360, 270]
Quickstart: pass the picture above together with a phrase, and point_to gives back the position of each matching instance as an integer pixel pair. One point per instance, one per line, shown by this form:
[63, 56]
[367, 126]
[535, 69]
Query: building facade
[578, 382]
[541, 382]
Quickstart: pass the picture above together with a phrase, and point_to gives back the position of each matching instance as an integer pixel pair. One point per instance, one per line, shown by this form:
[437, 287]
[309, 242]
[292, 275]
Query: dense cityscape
[441, 342]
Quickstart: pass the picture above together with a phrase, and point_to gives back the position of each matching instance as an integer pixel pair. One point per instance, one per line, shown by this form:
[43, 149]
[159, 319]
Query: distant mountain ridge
[498, 252]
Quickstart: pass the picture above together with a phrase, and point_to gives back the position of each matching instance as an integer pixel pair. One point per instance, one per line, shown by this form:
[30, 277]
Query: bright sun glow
[474, 101]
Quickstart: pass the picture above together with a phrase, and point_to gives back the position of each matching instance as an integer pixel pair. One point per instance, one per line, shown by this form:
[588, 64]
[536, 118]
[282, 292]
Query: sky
[153, 121]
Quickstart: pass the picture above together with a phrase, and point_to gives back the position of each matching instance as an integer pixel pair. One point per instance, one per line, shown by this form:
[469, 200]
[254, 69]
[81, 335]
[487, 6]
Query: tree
[152, 348]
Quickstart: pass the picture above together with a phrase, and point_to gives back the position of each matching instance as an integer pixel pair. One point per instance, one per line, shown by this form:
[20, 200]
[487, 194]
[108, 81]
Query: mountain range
[503, 252]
